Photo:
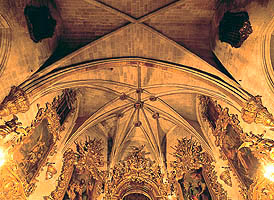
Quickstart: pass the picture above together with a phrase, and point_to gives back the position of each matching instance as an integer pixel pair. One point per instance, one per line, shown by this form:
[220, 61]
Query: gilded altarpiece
[31, 155]
[193, 175]
[80, 176]
[136, 173]
[28, 149]
[247, 153]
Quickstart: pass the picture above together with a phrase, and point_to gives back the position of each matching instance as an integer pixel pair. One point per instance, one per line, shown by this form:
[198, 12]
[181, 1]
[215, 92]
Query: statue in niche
[194, 187]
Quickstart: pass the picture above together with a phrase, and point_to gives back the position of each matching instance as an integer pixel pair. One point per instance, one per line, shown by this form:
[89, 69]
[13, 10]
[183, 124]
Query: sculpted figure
[194, 187]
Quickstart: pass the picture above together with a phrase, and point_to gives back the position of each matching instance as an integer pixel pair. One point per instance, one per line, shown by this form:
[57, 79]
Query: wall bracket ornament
[17, 101]
[254, 111]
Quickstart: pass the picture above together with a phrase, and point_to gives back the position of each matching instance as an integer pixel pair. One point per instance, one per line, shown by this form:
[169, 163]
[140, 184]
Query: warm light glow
[269, 172]
[2, 157]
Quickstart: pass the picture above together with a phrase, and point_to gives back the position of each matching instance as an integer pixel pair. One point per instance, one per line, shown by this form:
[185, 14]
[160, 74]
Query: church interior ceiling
[143, 100]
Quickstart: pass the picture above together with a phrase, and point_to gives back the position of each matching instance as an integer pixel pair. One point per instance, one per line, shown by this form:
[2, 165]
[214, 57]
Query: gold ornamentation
[69, 159]
[10, 184]
[16, 102]
[85, 161]
[12, 132]
[263, 149]
[51, 171]
[229, 136]
[225, 176]
[136, 171]
[254, 111]
[36, 158]
[190, 156]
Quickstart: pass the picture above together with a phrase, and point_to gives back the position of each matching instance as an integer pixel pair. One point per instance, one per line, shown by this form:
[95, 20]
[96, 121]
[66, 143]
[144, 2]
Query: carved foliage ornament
[190, 156]
[136, 170]
[85, 161]
[254, 111]
[46, 124]
[250, 146]
[29, 147]
[16, 101]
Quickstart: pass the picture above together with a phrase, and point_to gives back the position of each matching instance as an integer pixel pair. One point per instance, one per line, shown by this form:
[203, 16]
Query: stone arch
[5, 42]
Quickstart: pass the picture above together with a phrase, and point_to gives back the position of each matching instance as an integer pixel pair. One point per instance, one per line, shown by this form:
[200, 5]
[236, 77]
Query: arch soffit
[185, 78]
[265, 50]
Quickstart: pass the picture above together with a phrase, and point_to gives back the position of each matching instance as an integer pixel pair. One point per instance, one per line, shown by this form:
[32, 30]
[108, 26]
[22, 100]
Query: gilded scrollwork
[17, 101]
[247, 153]
[10, 184]
[263, 149]
[190, 157]
[254, 111]
[69, 159]
[136, 170]
[80, 173]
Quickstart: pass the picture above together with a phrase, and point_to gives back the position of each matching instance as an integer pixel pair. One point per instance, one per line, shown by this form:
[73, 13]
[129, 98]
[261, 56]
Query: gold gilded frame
[53, 126]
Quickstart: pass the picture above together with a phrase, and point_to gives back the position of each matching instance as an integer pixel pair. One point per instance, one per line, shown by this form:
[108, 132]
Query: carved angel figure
[12, 131]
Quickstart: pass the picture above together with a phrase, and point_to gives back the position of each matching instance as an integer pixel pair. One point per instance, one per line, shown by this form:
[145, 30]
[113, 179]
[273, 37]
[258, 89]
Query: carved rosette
[136, 172]
[190, 156]
[254, 111]
[16, 102]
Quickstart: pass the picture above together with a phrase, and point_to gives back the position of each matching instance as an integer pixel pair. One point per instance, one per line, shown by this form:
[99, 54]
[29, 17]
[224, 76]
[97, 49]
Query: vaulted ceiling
[138, 66]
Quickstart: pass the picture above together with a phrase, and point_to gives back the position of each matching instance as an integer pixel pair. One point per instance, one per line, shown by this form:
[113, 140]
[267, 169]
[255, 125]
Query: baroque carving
[247, 153]
[263, 149]
[16, 102]
[189, 157]
[254, 111]
[51, 171]
[229, 137]
[31, 155]
[12, 132]
[133, 172]
[69, 159]
[10, 184]
[225, 176]
[80, 172]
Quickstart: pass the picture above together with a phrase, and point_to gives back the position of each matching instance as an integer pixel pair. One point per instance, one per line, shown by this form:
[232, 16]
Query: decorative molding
[17, 101]
[30, 146]
[5, 41]
[10, 184]
[49, 114]
[263, 149]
